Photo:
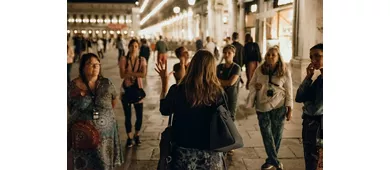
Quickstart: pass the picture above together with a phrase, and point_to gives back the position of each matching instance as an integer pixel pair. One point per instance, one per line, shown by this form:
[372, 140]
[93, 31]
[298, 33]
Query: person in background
[210, 45]
[251, 57]
[100, 48]
[119, 46]
[270, 90]
[145, 50]
[238, 58]
[70, 57]
[228, 40]
[132, 68]
[192, 102]
[229, 75]
[311, 95]
[162, 50]
[180, 69]
[198, 44]
[82, 103]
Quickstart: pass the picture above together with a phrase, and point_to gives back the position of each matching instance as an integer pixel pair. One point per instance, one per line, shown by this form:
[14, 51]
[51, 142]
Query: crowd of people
[202, 84]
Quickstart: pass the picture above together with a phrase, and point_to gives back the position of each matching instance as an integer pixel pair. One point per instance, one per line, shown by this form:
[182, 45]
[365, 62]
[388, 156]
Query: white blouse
[282, 94]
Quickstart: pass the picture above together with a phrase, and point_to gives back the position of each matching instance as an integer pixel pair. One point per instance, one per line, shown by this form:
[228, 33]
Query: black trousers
[69, 68]
[310, 132]
[138, 114]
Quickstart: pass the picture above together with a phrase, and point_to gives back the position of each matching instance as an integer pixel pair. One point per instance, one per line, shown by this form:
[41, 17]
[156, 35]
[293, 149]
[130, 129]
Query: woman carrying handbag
[132, 69]
[194, 101]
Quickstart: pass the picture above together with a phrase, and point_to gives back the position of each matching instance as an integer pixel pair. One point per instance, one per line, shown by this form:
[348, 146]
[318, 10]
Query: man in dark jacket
[145, 50]
[238, 58]
[311, 95]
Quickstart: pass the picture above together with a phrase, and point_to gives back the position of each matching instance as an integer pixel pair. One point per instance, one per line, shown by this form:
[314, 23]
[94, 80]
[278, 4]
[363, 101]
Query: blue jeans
[271, 126]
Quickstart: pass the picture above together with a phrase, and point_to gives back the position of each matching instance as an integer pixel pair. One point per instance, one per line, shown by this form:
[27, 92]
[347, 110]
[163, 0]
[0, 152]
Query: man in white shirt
[210, 46]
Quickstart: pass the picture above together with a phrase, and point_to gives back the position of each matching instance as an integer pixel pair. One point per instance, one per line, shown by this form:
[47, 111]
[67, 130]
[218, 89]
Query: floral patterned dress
[108, 154]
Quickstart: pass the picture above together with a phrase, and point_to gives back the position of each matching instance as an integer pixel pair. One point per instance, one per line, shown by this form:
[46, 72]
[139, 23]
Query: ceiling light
[144, 6]
[158, 7]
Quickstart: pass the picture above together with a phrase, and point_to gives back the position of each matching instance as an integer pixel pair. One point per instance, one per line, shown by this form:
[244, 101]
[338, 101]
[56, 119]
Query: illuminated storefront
[278, 28]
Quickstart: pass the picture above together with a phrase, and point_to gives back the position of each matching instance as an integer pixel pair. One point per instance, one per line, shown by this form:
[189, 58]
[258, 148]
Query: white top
[100, 44]
[283, 95]
[210, 46]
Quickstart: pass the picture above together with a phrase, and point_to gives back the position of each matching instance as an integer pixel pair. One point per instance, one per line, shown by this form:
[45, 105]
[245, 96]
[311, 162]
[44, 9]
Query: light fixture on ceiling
[144, 6]
[176, 9]
[154, 11]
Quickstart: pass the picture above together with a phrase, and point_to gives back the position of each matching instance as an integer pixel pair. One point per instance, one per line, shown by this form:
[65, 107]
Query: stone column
[232, 8]
[135, 17]
[305, 35]
[218, 23]
[241, 22]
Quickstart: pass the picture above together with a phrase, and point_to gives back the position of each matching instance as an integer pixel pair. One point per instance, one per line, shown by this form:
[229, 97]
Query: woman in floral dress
[108, 154]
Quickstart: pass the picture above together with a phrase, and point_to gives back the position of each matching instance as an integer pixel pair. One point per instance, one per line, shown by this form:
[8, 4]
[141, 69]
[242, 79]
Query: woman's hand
[161, 69]
[288, 114]
[258, 86]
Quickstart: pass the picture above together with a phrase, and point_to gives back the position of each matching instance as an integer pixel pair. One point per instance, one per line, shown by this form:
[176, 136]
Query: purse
[133, 94]
[166, 145]
[224, 135]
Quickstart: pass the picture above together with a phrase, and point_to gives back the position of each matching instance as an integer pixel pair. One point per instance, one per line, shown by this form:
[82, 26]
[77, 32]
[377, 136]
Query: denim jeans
[310, 130]
[271, 126]
[138, 107]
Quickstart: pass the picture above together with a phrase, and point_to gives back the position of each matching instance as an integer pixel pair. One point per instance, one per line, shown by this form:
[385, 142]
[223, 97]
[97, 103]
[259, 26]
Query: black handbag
[224, 135]
[166, 147]
[166, 143]
[133, 93]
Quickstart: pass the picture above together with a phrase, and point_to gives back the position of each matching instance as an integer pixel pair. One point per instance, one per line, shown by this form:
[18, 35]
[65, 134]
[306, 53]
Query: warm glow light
[155, 10]
[104, 31]
[83, 31]
[100, 20]
[191, 2]
[97, 32]
[68, 31]
[125, 32]
[78, 20]
[114, 21]
[225, 19]
[85, 20]
[144, 6]
[111, 32]
[283, 2]
[71, 20]
[89, 32]
[118, 32]
[121, 21]
[128, 21]
[107, 21]
[75, 31]
[176, 10]
[254, 8]
[93, 20]
[137, 3]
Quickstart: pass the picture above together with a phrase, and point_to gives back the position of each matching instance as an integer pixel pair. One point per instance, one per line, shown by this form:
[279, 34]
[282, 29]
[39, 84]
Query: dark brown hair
[202, 86]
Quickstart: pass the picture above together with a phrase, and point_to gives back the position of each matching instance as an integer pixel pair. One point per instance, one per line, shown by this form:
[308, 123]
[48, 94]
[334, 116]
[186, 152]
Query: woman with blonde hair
[193, 101]
[270, 90]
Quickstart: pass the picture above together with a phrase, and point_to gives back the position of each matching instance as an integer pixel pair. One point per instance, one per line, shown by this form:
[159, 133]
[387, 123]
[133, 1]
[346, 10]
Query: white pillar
[135, 15]
[305, 34]
[241, 22]
[218, 23]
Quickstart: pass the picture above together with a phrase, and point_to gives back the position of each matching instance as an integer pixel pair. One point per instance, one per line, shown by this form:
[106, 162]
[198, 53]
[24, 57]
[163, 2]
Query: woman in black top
[252, 57]
[193, 101]
[181, 67]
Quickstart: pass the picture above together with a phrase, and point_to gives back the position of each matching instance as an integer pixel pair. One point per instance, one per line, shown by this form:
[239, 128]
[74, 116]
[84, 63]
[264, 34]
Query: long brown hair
[281, 67]
[202, 86]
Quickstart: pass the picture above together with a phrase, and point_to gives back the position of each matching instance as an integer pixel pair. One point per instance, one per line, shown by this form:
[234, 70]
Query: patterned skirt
[191, 159]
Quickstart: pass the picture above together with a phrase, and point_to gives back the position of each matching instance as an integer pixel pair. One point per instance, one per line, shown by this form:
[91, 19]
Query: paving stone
[292, 134]
[236, 164]
[253, 164]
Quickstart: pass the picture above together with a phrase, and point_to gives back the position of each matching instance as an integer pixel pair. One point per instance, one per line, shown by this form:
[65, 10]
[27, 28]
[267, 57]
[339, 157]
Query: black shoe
[280, 167]
[129, 143]
[136, 140]
[266, 166]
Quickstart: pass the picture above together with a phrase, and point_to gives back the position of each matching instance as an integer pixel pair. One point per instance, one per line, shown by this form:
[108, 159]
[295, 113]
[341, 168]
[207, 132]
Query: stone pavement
[145, 157]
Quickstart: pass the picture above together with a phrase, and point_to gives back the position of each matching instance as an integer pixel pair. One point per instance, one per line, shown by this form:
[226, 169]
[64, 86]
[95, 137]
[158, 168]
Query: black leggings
[138, 114]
